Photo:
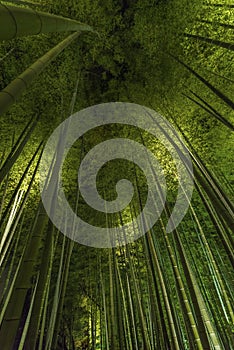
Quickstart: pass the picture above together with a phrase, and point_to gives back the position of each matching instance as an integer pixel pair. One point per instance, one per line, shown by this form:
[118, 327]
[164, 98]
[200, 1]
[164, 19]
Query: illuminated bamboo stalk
[165, 294]
[20, 211]
[40, 292]
[214, 266]
[12, 261]
[155, 265]
[121, 338]
[12, 317]
[198, 330]
[16, 88]
[17, 150]
[23, 280]
[57, 294]
[11, 218]
[46, 300]
[198, 301]
[104, 306]
[9, 293]
[222, 204]
[133, 318]
[223, 234]
[163, 339]
[113, 335]
[199, 306]
[140, 308]
[64, 280]
[19, 184]
[127, 331]
[27, 322]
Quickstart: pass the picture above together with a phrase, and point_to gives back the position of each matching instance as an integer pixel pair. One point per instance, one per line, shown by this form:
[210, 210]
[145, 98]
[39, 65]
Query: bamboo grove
[165, 290]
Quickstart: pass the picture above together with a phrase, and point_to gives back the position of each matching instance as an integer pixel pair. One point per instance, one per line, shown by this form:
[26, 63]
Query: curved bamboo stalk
[16, 21]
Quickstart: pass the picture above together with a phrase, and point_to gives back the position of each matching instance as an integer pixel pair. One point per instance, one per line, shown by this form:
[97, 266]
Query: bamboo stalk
[16, 21]
[15, 89]
[216, 91]
[215, 42]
